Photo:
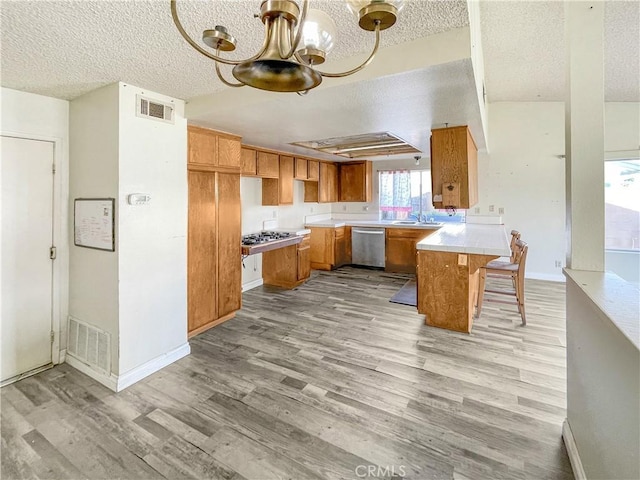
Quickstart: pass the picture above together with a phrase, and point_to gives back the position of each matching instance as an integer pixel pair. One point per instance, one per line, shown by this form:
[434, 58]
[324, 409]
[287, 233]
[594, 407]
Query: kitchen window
[406, 195]
[622, 205]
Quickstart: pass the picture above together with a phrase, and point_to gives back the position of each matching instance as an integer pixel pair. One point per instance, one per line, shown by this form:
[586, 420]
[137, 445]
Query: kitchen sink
[404, 222]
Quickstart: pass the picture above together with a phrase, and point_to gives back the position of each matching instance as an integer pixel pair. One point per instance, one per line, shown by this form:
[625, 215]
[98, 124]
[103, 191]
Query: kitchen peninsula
[448, 271]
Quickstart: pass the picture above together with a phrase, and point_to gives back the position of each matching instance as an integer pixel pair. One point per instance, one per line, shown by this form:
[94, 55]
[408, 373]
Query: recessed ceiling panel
[360, 146]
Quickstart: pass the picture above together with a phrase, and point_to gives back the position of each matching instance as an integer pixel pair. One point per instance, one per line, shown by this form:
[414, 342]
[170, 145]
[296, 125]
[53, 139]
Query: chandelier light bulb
[319, 31]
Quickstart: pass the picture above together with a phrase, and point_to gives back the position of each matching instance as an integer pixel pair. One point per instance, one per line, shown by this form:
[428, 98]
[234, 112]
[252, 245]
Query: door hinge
[53, 168]
[52, 253]
[53, 336]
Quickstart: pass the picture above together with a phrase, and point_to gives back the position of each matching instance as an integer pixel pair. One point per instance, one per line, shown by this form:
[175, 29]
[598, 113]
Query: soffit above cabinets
[366, 145]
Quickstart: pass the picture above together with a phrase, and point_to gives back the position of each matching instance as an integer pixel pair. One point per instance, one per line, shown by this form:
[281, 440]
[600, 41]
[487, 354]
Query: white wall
[152, 238]
[603, 377]
[93, 274]
[621, 127]
[137, 293]
[524, 175]
[254, 215]
[35, 116]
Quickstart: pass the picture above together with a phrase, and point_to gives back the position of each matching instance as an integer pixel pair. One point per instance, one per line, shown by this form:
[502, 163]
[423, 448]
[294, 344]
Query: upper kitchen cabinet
[209, 149]
[454, 168]
[307, 169]
[313, 170]
[279, 191]
[248, 161]
[258, 163]
[268, 165]
[355, 181]
[325, 190]
[301, 170]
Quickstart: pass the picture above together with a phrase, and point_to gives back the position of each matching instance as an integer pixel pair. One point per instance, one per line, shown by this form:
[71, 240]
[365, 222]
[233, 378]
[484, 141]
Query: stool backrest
[515, 236]
[520, 255]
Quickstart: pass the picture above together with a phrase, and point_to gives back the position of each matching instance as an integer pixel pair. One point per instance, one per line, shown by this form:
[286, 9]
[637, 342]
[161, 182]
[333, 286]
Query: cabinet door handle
[370, 232]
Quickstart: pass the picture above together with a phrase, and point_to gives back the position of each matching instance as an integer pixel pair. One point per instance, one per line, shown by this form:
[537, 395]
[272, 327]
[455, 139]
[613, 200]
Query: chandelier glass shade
[296, 40]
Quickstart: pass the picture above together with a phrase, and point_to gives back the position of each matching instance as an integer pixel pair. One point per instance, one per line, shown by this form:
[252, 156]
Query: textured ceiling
[66, 48]
[428, 98]
[524, 52]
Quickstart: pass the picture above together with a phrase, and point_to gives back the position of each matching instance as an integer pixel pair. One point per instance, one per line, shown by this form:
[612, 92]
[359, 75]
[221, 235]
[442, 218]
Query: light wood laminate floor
[326, 381]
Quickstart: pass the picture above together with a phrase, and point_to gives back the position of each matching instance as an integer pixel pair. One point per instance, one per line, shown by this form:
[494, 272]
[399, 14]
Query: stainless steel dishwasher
[367, 246]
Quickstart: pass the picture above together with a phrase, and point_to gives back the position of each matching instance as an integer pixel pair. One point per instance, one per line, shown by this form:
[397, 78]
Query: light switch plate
[462, 259]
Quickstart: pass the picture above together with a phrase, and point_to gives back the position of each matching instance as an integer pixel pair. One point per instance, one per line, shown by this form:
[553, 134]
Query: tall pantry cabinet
[214, 276]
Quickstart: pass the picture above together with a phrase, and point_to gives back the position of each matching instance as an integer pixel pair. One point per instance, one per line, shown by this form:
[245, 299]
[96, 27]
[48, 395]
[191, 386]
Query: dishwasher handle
[370, 232]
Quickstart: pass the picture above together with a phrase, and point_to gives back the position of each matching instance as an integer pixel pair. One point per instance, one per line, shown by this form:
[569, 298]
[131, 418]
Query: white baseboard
[253, 284]
[109, 381]
[546, 276]
[572, 451]
[118, 383]
[132, 376]
[62, 356]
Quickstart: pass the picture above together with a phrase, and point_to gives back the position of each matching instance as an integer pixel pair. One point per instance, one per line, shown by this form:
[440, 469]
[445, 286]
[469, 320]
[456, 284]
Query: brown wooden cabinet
[268, 165]
[325, 190]
[313, 170]
[214, 276]
[279, 191]
[330, 247]
[454, 164]
[301, 171]
[248, 162]
[400, 248]
[355, 181]
[208, 148]
[287, 267]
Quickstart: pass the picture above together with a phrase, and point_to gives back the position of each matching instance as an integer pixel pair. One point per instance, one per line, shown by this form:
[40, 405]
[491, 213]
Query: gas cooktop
[267, 240]
[263, 237]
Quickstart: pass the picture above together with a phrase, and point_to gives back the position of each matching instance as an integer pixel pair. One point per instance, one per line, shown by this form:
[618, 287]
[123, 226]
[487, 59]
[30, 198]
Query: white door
[27, 269]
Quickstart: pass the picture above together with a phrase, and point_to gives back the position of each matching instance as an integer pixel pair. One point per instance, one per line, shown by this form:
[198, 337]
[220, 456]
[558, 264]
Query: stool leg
[520, 295]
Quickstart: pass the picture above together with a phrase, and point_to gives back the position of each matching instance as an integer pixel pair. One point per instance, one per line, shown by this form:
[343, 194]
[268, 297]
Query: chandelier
[295, 42]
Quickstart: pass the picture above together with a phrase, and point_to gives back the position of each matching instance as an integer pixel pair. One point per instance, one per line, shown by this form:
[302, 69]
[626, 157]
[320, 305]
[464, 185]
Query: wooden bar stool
[514, 270]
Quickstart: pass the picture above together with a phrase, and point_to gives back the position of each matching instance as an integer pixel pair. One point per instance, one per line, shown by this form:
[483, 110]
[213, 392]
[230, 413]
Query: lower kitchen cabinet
[214, 271]
[330, 247]
[400, 248]
[287, 267]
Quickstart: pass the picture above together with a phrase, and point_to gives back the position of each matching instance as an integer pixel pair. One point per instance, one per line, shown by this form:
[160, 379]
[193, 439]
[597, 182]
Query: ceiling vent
[148, 108]
[361, 146]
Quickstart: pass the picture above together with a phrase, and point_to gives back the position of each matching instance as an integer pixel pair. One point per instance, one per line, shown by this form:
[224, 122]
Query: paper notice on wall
[94, 223]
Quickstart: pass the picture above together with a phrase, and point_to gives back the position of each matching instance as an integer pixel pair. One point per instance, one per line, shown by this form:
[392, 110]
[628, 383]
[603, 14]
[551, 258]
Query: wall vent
[90, 345]
[148, 108]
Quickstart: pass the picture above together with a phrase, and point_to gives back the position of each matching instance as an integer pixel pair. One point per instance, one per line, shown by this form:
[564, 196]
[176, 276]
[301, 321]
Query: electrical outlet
[492, 208]
[365, 208]
[501, 210]
[275, 214]
[558, 263]
[477, 210]
[311, 210]
[344, 208]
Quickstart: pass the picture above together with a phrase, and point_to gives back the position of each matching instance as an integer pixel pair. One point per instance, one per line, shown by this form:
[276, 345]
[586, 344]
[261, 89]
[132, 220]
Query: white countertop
[294, 231]
[468, 238]
[618, 299]
[333, 223]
